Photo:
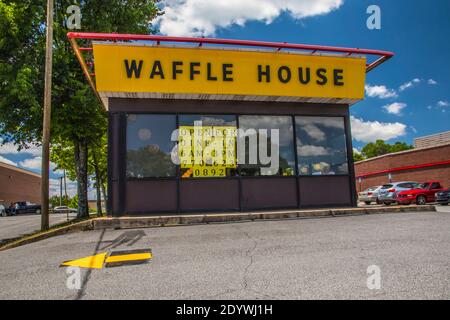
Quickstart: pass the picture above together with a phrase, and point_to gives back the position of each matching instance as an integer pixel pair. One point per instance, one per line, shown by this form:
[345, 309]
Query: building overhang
[107, 77]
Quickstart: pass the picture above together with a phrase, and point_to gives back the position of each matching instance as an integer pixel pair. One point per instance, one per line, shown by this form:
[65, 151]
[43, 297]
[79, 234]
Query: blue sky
[406, 97]
[416, 31]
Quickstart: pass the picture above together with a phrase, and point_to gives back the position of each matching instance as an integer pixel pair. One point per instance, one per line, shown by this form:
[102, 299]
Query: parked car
[24, 207]
[443, 197]
[369, 195]
[421, 194]
[388, 192]
[64, 209]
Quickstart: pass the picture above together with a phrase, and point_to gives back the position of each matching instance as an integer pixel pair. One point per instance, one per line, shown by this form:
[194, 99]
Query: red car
[423, 193]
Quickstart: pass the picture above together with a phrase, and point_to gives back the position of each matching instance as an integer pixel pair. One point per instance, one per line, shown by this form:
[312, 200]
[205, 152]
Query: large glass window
[276, 132]
[149, 145]
[207, 146]
[321, 145]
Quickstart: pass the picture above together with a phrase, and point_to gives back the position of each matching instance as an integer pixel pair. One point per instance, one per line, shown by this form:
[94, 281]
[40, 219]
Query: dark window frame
[296, 176]
[294, 145]
[346, 151]
[125, 141]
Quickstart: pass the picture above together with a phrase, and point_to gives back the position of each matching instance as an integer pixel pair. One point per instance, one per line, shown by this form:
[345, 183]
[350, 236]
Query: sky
[406, 97]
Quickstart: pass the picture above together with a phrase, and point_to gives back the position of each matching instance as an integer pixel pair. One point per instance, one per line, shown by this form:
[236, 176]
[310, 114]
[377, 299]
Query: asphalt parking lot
[321, 258]
[15, 226]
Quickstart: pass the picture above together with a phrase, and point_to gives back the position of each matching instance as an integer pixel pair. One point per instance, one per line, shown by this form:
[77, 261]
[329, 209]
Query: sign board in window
[207, 151]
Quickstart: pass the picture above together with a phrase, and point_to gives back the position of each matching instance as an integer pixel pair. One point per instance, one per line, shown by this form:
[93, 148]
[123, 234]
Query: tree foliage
[78, 120]
[56, 200]
[357, 156]
[379, 148]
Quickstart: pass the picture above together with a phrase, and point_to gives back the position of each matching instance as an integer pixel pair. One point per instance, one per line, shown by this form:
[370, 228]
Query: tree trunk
[81, 156]
[97, 185]
[99, 200]
[103, 188]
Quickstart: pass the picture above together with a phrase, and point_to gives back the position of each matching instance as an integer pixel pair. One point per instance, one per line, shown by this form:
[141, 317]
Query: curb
[197, 219]
[56, 231]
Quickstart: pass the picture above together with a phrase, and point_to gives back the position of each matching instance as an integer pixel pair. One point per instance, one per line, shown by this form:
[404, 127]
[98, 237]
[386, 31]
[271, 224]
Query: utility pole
[65, 189]
[47, 119]
[60, 190]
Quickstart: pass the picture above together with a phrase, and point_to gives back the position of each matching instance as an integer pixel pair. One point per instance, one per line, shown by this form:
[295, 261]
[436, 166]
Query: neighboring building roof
[14, 168]
[405, 151]
[432, 140]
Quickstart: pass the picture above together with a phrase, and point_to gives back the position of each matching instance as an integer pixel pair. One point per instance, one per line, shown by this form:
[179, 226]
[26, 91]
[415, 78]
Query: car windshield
[386, 186]
[422, 185]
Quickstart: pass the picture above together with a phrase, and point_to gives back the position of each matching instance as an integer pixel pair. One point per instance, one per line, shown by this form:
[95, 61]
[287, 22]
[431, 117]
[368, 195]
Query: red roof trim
[383, 55]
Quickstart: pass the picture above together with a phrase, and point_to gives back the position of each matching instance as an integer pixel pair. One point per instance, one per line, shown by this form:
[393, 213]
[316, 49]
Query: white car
[64, 209]
[369, 195]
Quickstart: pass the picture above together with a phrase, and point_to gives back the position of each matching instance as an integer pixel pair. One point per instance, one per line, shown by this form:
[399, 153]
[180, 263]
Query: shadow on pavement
[87, 276]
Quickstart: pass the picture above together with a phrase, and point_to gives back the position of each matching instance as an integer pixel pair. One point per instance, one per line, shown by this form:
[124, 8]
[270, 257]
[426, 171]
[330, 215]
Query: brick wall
[433, 140]
[406, 158]
[18, 185]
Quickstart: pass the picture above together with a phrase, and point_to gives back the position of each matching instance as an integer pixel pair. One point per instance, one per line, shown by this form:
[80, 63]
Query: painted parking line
[111, 259]
[128, 257]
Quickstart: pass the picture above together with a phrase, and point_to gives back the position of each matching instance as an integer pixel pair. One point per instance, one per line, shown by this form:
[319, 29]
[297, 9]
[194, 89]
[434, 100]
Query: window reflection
[149, 145]
[321, 145]
[284, 125]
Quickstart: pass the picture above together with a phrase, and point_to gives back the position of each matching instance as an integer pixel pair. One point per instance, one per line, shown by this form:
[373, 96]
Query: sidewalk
[147, 221]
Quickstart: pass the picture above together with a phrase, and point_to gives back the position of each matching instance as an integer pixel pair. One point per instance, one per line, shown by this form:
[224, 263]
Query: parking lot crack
[249, 253]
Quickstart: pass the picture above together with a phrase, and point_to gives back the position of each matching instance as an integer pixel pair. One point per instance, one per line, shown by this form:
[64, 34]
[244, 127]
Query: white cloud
[204, 17]
[10, 148]
[432, 82]
[31, 163]
[380, 91]
[443, 104]
[314, 132]
[369, 131]
[409, 84]
[36, 164]
[71, 187]
[7, 161]
[395, 108]
[310, 150]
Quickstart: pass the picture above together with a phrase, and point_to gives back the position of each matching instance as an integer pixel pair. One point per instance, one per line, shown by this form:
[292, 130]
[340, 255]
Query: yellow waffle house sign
[167, 70]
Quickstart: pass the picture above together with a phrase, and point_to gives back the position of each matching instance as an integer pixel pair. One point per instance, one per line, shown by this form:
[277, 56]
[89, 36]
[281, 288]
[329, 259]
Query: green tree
[357, 156]
[78, 120]
[73, 203]
[400, 146]
[380, 147]
[98, 163]
[62, 155]
[55, 200]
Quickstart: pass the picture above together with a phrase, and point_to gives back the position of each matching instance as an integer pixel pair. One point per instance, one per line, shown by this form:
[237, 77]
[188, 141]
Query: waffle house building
[204, 125]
